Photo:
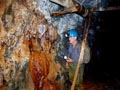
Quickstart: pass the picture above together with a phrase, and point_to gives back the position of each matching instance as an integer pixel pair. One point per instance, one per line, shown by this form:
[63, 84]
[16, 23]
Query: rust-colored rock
[38, 68]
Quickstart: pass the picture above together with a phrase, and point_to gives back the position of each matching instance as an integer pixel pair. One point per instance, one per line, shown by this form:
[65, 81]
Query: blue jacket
[74, 52]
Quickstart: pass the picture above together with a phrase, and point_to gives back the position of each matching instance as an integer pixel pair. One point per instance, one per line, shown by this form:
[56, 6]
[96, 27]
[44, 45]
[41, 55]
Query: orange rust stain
[51, 85]
[38, 68]
[3, 5]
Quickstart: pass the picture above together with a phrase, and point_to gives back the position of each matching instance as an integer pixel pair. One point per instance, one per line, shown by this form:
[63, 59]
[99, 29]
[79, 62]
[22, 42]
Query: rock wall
[27, 46]
[29, 41]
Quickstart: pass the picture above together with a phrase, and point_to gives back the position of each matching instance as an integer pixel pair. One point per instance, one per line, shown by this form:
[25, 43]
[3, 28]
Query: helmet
[72, 33]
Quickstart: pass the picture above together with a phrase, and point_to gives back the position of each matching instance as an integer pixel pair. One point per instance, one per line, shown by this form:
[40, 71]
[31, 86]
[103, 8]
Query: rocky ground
[89, 84]
[94, 85]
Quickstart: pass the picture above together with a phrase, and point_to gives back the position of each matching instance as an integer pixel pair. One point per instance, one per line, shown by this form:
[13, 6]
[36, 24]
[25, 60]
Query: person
[72, 58]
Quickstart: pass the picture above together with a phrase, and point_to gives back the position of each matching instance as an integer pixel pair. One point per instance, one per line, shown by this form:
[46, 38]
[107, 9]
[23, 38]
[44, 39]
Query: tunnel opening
[104, 65]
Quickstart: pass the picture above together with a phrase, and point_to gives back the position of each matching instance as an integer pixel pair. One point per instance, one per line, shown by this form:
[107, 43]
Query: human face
[73, 40]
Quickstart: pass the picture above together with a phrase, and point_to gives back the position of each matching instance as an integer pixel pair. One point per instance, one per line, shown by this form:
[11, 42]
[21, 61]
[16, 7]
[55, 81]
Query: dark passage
[103, 69]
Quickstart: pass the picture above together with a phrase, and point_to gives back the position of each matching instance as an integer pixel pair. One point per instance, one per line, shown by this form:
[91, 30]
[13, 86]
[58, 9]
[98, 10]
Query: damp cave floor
[105, 82]
[91, 82]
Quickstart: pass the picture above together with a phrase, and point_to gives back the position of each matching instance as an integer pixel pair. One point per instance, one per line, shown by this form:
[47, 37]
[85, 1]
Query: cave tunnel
[104, 63]
[22, 20]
